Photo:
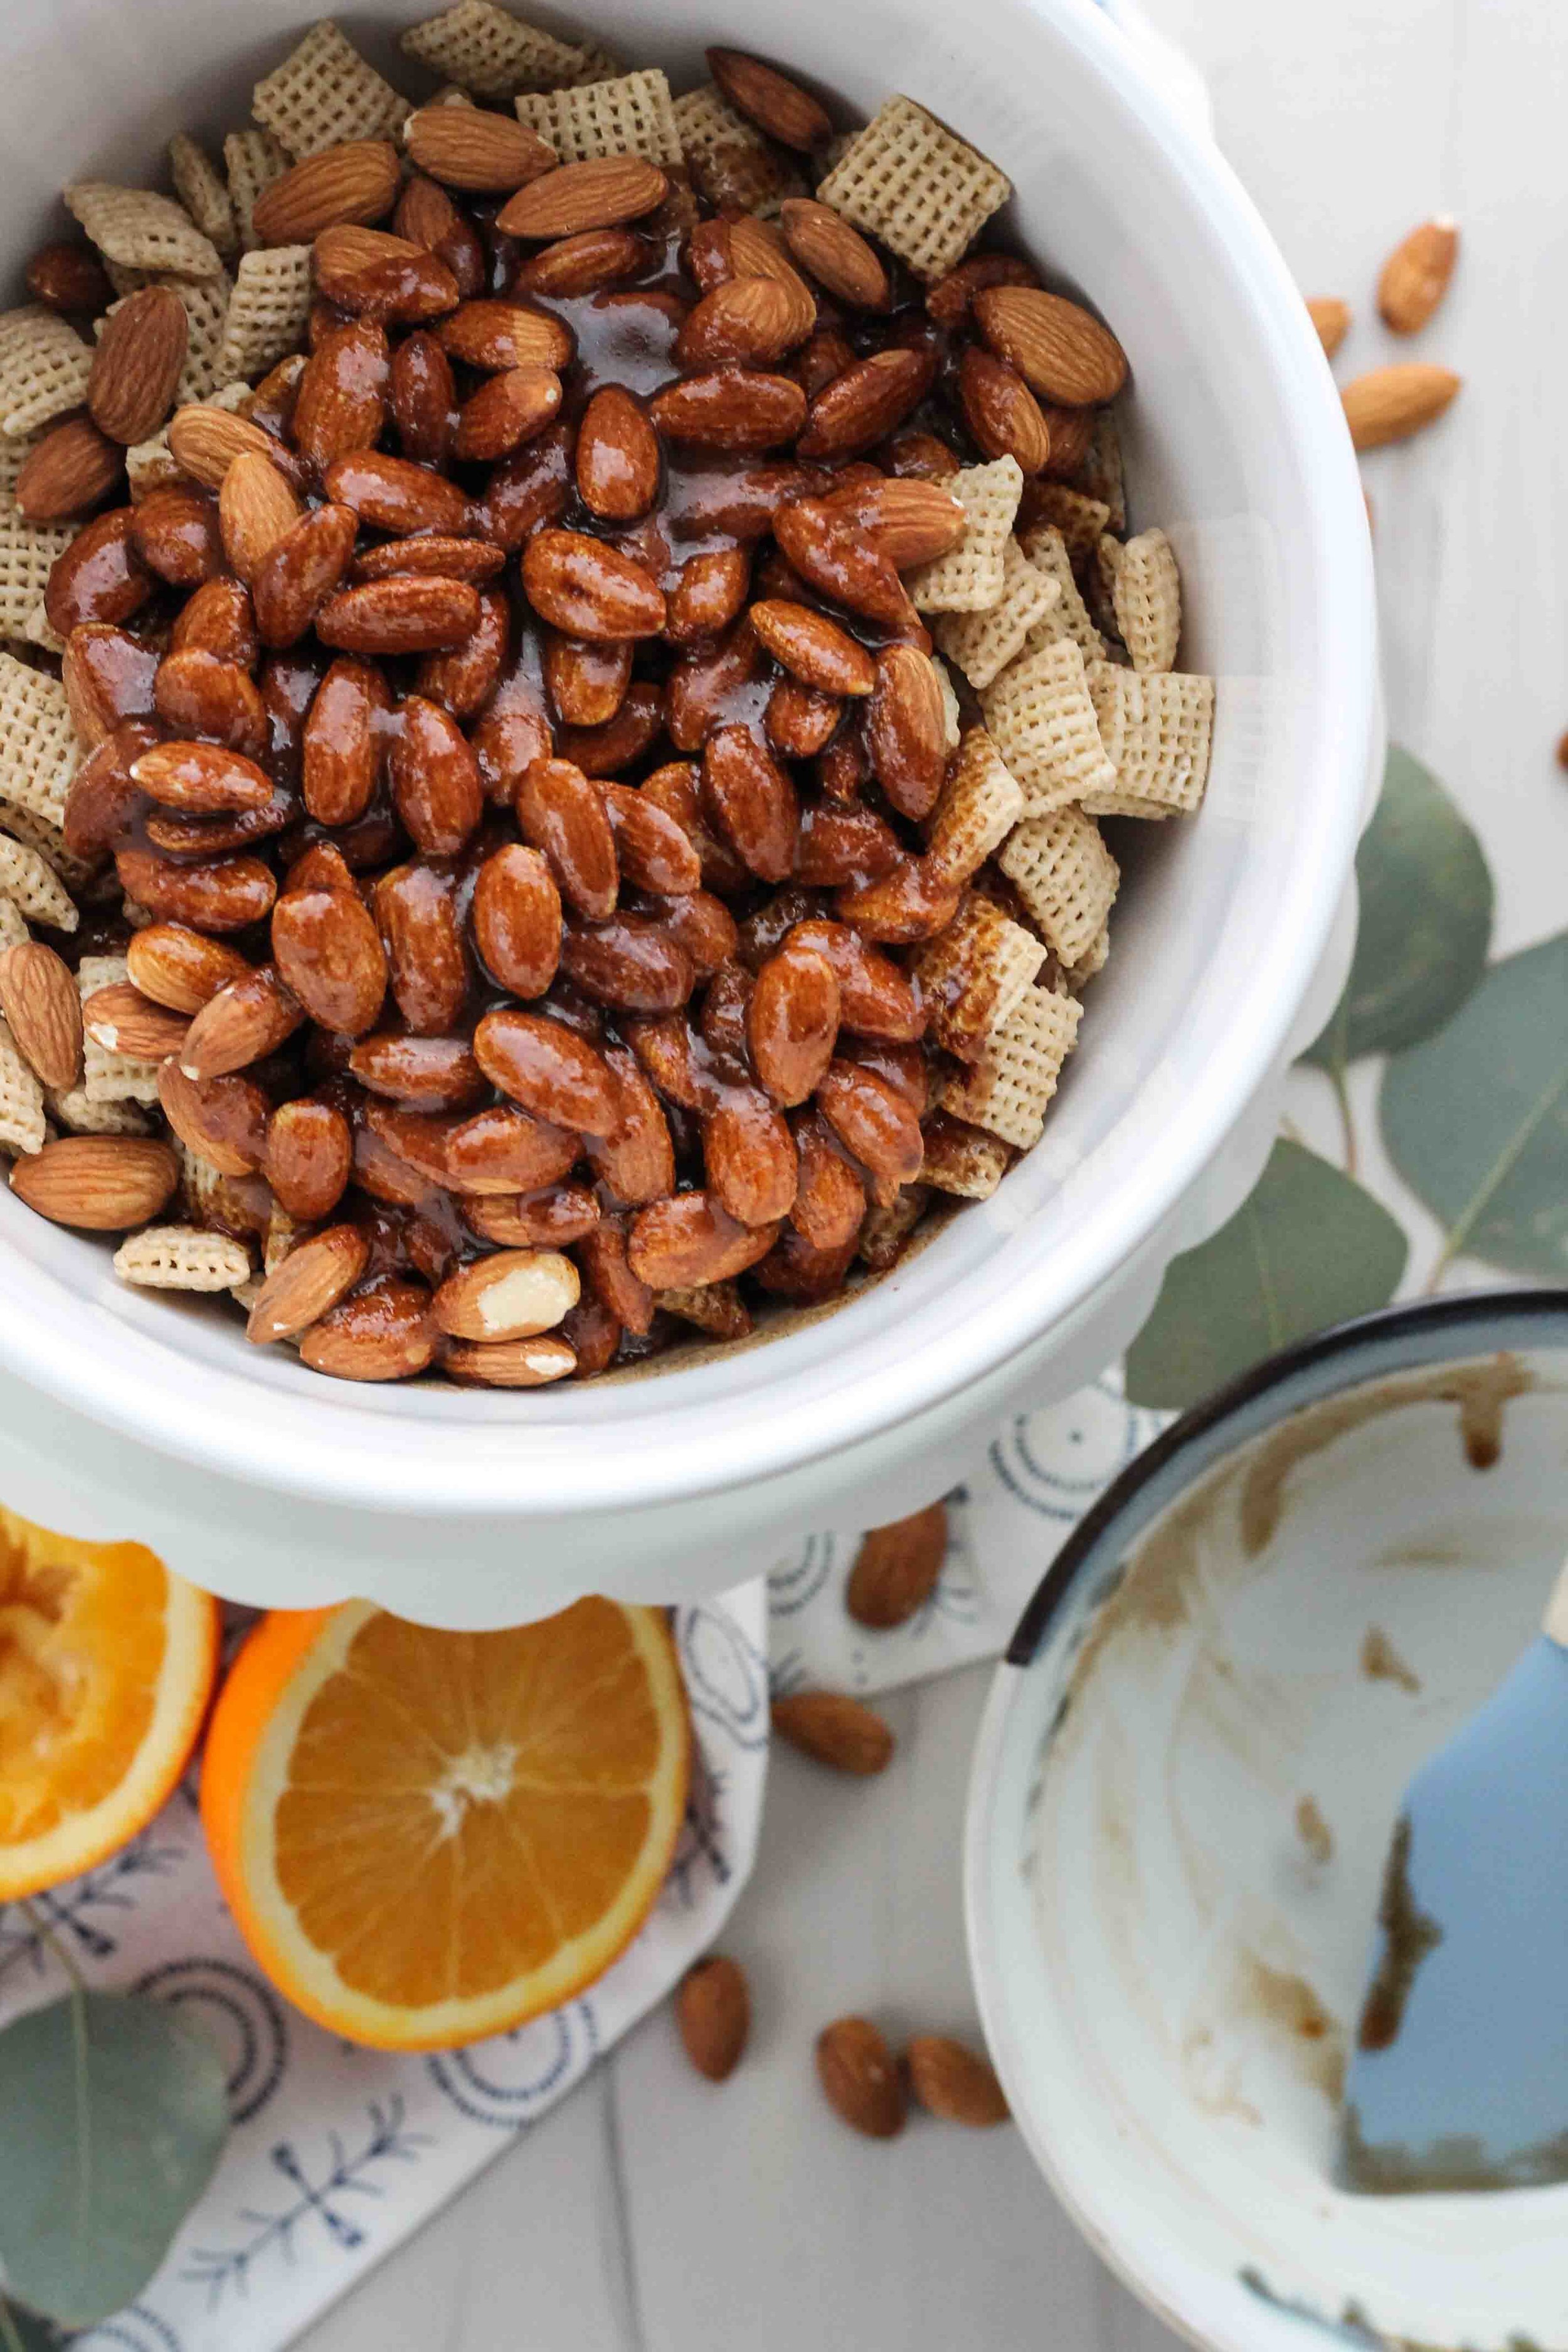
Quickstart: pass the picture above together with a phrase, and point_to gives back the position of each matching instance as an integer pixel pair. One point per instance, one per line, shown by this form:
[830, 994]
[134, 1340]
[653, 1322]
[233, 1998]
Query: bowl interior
[1234, 443]
[1182, 1848]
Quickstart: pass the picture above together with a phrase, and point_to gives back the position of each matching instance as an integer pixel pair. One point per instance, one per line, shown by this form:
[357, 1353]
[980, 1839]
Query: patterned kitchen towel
[337, 2153]
[1034, 1481]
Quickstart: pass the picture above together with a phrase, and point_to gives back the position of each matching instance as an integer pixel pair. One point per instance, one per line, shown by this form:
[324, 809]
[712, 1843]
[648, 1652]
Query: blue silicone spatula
[1458, 2078]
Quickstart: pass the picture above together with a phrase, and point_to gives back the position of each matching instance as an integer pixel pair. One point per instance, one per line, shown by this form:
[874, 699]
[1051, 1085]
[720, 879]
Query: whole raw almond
[1416, 275]
[835, 1729]
[470, 147]
[403, 614]
[954, 2082]
[100, 1183]
[140, 356]
[769, 99]
[1389, 404]
[836, 253]
[40, 1000]
[602, 193]
[1058, 347]
[734, 408]
[895, 1569]
[512, 1295]
[357, 181]
[309, 1282]
[204, 441]
[74, 467]
[1331, 318]
[713, 2010]
[122, 1021]
[860, 2078]
[256, 510]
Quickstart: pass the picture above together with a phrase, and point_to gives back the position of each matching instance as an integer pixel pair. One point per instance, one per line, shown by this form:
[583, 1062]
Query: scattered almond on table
[860, 2077]
[953, 2082]
[713, 2010]
[895, 1569]
[1416, 275]
[839, 1731]
[1331, 319]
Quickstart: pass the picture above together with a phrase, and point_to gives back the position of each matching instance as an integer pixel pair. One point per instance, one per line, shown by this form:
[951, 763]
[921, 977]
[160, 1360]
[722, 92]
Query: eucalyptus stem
[43, 1930]
[10, 2335]
[1337, 1079]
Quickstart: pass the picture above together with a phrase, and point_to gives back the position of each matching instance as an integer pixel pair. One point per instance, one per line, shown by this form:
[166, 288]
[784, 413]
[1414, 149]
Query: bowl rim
[1138, 2263]
[464, 1469]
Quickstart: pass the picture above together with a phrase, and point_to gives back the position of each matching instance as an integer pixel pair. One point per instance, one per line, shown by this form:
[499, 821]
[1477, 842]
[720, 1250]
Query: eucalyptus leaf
[112, 2114]
[1307, 1247]
[1426, 895]
[1476, 1119]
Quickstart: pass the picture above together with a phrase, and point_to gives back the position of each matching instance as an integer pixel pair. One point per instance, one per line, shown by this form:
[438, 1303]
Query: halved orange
[107, 1662]
[428, 1837]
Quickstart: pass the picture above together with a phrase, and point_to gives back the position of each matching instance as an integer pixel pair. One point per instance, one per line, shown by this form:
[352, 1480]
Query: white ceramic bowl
[1181, 1801]
[466, 1507]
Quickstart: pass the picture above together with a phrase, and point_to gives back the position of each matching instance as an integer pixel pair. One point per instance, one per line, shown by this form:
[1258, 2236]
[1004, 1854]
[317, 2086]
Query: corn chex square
[22, 1123]
[73, 1111]
[632, 115]
[1066, 877]
[962, 1159]
[148, 463]
[44, 368]
[1100, 473]
[13, 931]
[142, 231]
[32, 887]
[977, 808]
[1146, 594]
[1044, 723]
[717, 1308]
[494, 54]
[1071, 617]
[35, 832]
[975, 972]
[201, 188]
[951, 715]
[181, 1257]
[1157, 727]
[268, 310]
[908, 180]
[108, 1076]
[1080, 519]
[1008, 1090]
[324, 92]
[1095, 958]
[38, 750]
[206, 304]
[970, 577]
[730, 165]
[983, 644]
[29, 553]
[253, 159]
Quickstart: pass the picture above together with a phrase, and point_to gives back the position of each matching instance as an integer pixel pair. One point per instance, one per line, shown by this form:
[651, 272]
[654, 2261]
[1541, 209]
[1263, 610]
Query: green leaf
[112, 2114]
[1426, 920]
[1307, 1247]
[1476, 1119]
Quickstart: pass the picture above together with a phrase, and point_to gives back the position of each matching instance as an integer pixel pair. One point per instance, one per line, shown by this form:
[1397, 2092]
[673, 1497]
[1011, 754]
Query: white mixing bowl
[1182, 1795]
[130, 1415]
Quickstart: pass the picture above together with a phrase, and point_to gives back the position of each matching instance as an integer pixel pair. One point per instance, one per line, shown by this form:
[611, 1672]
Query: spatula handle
[1554, 1624]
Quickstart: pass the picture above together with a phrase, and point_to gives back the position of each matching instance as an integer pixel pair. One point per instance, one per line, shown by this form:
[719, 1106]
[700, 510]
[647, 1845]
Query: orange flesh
[82, 1639]
[430, 1788]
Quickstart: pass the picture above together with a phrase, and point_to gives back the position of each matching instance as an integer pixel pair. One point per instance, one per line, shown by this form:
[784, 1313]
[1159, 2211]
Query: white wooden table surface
[652, 2213]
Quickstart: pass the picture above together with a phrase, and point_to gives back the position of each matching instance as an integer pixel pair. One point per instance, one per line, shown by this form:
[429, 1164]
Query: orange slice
[107, 1662]
[428, 1837]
